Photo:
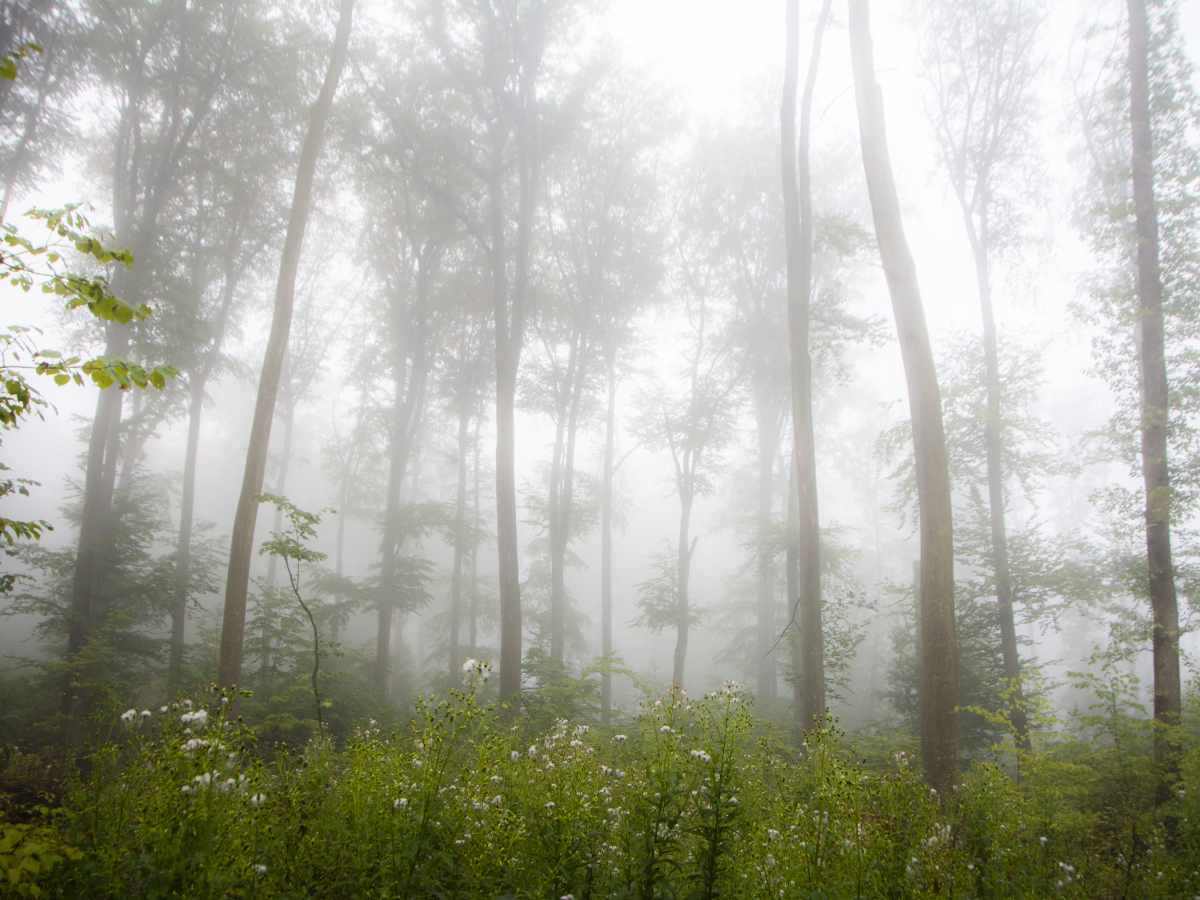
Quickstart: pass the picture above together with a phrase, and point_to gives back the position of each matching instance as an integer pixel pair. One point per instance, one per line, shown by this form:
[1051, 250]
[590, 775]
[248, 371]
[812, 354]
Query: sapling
[292, 547]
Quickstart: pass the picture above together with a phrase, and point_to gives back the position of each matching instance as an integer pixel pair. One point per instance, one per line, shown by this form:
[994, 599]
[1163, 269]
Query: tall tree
[694, 427]
[166, 64]
[798, 229]
[939, 662]
[233, 622]
[1155, 403]
[495, 52]
[239, 215]
[603, 236]
[980, 59]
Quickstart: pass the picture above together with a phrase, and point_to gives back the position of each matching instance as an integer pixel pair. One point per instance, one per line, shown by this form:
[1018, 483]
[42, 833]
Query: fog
[645, 181]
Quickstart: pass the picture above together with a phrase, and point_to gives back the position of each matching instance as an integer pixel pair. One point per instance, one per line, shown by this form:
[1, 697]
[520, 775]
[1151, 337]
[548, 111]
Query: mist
[489, 346]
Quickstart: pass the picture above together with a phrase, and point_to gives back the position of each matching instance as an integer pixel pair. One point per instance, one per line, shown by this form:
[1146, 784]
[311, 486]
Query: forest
[600, 449]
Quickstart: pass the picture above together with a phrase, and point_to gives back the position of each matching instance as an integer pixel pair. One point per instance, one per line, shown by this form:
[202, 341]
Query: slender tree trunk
[183, 549]
[767, 422]
[566, 499]
[100, 474]
[993, 436]
[187, 504]
[792, 561]
[798, 231]
[606, 527]
[473, 625]
[406, 417]
[555, 510]
[939, 679]
[241, 550]
[1155, 409]
[285, 458]
[510, 335]
[460, 519]
[682, 622]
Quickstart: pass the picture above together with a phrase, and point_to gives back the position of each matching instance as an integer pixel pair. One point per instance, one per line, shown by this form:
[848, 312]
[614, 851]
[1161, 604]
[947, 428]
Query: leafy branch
[292, 547]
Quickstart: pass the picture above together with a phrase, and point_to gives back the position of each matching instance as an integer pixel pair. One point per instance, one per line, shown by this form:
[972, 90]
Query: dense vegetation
[697, 798]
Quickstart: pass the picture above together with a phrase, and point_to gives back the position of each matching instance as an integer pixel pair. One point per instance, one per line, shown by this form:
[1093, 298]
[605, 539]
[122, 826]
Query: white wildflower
[198, 718]
[260, 869]
[257, 799]
[399, 803]
[469, 665]
[128, 715]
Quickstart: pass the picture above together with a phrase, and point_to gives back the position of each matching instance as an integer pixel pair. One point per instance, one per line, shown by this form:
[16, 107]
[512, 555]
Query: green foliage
[25, 263]
[695, 802]
[291, 545]
[658, 596]
[9, 61]
[29, 851]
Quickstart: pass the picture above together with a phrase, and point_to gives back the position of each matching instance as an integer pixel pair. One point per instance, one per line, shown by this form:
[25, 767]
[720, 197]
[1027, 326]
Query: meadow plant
[696, 802]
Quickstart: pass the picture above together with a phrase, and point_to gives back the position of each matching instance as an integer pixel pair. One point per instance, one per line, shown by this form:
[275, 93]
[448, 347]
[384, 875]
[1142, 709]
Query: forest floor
[698, 800]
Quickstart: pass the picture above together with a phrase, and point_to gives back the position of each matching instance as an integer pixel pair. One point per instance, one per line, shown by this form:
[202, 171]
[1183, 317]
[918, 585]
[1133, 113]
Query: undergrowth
[697, 801]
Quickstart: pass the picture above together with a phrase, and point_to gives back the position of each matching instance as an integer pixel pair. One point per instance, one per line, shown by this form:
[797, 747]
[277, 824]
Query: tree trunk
[684, 574]
[183, 549]
[606, 511]
[241, 550]
[406, 417]
[99, 478]
[767, 422]
[1155, 410]
[939, 676]
[993, 435]
[798, 230]
[510, 335]
[792, 562]
[554, 505]
[473, 624]
[285, 457]
[566, 498]
[460, 519]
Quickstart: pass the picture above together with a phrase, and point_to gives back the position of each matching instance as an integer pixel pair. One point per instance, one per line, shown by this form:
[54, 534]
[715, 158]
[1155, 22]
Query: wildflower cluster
[692, 799]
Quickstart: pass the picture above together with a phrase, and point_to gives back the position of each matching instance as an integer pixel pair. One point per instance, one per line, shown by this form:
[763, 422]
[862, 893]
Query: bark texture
[233, 624]
[798, 233]
[1155, 408]
[939, 662]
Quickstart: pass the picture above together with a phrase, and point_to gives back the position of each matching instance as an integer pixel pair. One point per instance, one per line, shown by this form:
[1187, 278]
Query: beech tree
[166, 66]
[241, 549]
[980, 59]
[1156, 473]
[1137, 209]
[494, 53]
[693, 426]
[603, 232]
[798, 229]
[939, 657]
